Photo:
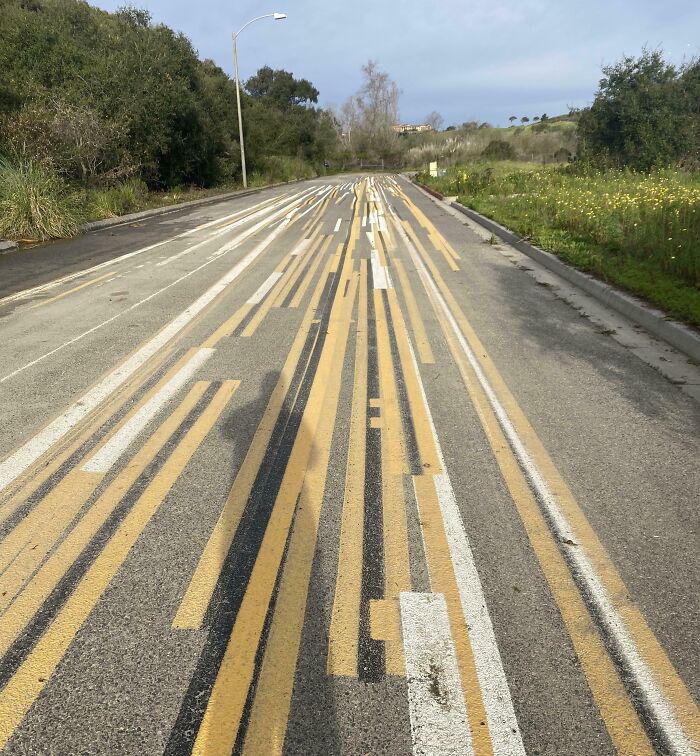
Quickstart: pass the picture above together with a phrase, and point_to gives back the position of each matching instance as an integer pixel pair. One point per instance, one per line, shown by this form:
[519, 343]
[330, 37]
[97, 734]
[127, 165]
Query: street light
[276, 17]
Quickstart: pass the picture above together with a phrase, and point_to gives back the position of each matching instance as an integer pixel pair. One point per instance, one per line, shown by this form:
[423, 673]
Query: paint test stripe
[301, 247]
[380, 275]
[103, 460]
[439, 724]
[259, 295]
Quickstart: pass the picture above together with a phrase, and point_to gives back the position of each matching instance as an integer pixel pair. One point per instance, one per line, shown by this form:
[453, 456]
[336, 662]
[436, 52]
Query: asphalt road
[318, 471]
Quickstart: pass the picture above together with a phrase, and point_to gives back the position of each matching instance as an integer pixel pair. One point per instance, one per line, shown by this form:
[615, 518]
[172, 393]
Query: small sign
[434, 169]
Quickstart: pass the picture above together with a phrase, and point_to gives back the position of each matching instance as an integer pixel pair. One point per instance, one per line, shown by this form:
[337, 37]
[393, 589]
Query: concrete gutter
[7, 246]
[655, 321]
[132, 217]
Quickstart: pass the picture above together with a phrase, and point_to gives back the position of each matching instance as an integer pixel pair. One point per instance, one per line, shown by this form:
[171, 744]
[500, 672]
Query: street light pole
[277, 17]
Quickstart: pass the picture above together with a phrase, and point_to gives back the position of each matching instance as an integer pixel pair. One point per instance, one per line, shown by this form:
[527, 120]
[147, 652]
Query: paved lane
[318, 471]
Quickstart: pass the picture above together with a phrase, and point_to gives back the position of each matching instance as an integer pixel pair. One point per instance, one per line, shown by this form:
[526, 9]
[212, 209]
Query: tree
[536, 118]
[434, 120]
[513, 119]
[368, 117]
[642, 115]
[525, 119]
[544, 117]
[281, 89]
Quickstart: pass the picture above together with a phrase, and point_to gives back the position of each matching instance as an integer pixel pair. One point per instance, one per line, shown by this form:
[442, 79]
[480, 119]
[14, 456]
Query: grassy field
[639, 231]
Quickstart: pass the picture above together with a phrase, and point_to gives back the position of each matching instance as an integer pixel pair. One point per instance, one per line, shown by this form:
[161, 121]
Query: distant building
[412, 128]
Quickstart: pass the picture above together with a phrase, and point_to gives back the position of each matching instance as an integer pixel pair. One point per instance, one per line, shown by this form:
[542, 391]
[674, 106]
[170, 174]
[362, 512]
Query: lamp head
[279, 16]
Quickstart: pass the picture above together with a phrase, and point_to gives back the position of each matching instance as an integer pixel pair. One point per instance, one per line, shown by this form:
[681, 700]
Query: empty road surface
[318, 471]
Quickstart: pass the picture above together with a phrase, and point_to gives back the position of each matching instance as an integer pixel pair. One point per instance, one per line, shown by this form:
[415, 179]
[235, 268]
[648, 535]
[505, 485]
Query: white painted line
[264, 212]
[106, 456]
[651, 696]
[260, 294]
[364, 221]
[380, 275]
[14, 465]
[26, 293]
[301, 247]
[223, 251]
[337, 225]
[439, 723]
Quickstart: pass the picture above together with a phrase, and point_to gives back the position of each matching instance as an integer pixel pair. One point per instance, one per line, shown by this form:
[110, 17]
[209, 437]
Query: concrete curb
[655, 321]
[118, 221]
[7, 246]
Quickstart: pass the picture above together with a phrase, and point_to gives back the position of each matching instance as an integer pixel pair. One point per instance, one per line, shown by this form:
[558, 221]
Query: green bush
[498, 149]
[35, 203]
[127, 197]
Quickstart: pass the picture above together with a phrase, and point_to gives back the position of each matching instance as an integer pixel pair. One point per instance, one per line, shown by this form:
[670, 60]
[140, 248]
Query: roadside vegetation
[627, 208]
[106, 113]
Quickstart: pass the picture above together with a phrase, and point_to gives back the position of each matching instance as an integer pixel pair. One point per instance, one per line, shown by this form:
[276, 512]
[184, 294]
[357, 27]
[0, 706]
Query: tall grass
[113, 201]
[639, 230]
[35, 203]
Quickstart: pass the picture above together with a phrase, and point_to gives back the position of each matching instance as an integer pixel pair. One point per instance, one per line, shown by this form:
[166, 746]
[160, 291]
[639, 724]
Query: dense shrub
[498, 149]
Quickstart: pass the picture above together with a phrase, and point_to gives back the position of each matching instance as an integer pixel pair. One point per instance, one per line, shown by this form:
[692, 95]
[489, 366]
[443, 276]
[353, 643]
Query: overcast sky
[467, 59]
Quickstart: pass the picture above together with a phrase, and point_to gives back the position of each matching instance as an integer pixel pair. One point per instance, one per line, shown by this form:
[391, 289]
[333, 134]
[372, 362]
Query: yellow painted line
[397, 574]
[421, 423]
[442, 580]
[385, 620]
[27, 683]
[29, 601]
[335, 260]
[425, 353]
[199, 592]
[301, 291]
[345, 620]
[620, 718]
[270, 712]
[270, 299]
[218, 730]
[25, 547]
[377, 403]
[244, 214]
[376, 422]
[228, 327]
[291, 280]
[618, 714]
[73, 290]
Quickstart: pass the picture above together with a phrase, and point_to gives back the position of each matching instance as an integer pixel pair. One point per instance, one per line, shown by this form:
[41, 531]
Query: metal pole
[240, 115]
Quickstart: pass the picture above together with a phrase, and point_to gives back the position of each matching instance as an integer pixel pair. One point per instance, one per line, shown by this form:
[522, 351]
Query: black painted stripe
[24, 644]
[409, 430]
[235, 575]
[370, 653]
